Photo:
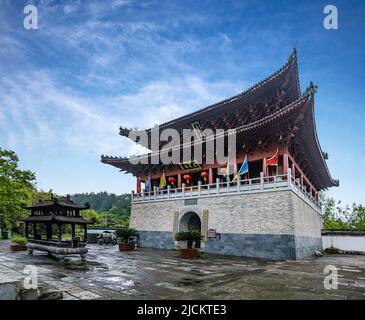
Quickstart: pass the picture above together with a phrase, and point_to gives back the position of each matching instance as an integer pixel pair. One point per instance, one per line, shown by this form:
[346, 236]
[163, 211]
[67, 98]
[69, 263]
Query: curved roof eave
[331, 182]
[292, 61]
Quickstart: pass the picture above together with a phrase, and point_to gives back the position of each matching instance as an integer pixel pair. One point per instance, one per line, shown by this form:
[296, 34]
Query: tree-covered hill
[105, 208]
[104, 201]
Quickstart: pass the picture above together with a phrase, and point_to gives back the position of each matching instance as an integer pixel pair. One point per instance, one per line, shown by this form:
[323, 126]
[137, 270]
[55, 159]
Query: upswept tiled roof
[63, 202]
[299, 108]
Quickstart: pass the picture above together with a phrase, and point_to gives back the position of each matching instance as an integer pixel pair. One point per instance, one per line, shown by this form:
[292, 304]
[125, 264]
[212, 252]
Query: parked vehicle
[107, 238]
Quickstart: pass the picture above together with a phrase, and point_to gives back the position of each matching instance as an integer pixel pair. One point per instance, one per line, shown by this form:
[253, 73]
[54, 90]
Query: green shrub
[125, 233]
[193, 235]
[189, 236]
[19, 239]
[182, 236]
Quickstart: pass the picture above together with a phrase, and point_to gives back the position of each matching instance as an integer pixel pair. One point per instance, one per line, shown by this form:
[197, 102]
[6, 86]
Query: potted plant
[19, 243]
[124, 234]
[189, 237]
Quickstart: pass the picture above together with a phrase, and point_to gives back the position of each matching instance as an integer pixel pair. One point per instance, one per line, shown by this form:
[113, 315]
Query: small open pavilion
[50, 216]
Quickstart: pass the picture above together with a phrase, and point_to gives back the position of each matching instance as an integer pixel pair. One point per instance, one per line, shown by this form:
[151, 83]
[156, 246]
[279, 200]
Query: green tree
[358, 221]
[93, 215]
[115, 209]
[16, 189]
[335, 216]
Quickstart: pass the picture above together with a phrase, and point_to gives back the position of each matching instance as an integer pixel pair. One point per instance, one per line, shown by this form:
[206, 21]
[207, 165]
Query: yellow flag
[162, 181]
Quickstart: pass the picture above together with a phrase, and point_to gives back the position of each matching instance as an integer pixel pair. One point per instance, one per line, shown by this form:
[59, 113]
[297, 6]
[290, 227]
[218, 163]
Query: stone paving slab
[161, 274]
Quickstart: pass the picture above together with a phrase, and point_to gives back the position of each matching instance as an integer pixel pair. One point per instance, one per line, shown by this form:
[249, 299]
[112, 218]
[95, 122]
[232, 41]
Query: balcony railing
[261, 184]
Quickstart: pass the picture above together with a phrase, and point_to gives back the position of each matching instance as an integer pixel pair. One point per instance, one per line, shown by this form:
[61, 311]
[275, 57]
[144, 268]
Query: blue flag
[148, 183]
[243, 169]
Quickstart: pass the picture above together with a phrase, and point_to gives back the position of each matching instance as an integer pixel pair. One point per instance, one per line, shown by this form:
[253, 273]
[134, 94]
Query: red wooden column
[264, 166]
[211, 176]
[293, 170]
[285, 160]
[179, 180]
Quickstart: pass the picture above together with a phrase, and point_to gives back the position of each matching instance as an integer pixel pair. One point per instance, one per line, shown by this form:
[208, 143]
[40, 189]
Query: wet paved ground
[159, 274]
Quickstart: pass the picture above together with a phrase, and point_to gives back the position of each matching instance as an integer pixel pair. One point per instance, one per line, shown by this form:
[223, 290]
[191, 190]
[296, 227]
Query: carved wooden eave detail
[259, 133]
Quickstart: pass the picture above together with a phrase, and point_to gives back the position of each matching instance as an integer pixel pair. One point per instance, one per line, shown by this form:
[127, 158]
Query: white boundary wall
[344, 242]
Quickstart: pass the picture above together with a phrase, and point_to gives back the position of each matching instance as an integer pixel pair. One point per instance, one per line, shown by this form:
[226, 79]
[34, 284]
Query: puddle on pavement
[189, 282]
[78, 265]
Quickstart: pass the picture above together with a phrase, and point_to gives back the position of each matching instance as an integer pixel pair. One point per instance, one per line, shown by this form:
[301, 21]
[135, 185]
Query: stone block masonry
[277, 225]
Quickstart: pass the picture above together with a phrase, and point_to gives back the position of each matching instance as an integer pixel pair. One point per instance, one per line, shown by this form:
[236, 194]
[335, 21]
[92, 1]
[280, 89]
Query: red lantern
[172, 180]
[187, 178]
[205, 176]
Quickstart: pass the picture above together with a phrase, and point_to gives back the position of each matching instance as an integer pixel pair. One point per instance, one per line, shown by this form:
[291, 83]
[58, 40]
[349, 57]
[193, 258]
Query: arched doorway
[190, 221]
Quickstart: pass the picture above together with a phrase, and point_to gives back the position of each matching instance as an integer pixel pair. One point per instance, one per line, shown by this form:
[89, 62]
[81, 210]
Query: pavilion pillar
[48, 231]
[211, 181]
[59, 232]
[73, 230]
[26, 231]
[301, 180]
[179, 180]
[34, 230]
[85, 232]
[285, 160]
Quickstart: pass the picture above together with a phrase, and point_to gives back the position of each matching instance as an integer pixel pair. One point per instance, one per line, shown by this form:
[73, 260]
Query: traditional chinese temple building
[271, 209]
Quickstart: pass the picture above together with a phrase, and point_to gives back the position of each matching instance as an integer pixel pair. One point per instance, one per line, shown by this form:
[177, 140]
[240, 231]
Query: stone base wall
[266, 246]
[306, 246]
[276, 225]
[156, 239]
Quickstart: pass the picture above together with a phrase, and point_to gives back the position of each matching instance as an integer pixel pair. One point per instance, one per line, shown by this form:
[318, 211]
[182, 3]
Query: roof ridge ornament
[293, 55]
[311, 89]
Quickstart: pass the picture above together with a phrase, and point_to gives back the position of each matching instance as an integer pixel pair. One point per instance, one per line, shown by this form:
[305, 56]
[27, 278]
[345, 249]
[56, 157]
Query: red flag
[273, 161]
[139, 185]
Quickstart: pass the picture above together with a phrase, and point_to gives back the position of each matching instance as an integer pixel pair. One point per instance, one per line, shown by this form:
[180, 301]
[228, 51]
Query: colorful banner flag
[227, 171]
[243, 169]
[148, 183]
[162, 181]
[273, 161]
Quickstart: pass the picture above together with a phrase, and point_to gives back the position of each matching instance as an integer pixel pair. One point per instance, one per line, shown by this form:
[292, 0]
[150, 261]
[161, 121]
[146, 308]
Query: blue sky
[93, 66]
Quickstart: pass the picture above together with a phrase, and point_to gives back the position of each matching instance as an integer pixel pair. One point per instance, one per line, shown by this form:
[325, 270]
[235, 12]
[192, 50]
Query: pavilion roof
[57, 219]
[66, 203]
[273, 93]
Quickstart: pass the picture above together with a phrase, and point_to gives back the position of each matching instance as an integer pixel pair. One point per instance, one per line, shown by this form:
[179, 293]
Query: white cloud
[39, 112]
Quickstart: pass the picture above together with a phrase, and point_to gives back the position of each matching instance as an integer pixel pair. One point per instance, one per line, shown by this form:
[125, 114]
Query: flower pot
[18, 247]
[189, 253]
[126, 246]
